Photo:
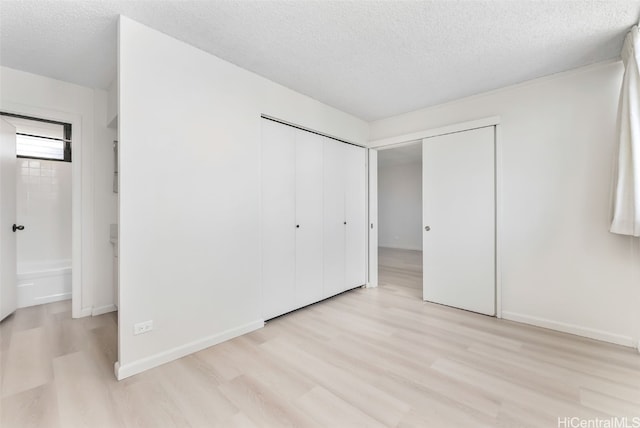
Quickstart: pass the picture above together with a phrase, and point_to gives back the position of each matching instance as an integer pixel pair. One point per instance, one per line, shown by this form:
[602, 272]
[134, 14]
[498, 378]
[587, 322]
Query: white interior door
[458, 176]
[334, 217]
[8, 287]
[278, 218]
[355, 215]
[308, 218]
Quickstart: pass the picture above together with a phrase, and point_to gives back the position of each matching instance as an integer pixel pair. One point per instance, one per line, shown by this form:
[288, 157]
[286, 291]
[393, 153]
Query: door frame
[372, 213]
[404, 139]
[78, 294]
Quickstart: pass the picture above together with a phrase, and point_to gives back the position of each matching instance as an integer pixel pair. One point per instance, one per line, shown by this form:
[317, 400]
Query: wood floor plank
[33, 408]
[262, 405]
[608, 404]
[29, 318]
[511, 390]
[239, 420]
[316, 402]
[147, 404]
[199, 400]
[28, 362]
[99, 346]
[562, 375]
[65, 335]
[83, 398]
[375, 402]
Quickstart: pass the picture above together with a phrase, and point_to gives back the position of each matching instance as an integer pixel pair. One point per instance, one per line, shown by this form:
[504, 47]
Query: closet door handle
[297, 226]
[15, 227]
[427, 228]
[345, 222]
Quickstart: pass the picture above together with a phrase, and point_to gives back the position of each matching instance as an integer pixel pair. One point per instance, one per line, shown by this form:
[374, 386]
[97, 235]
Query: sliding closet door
[458, 173]
[309, 148]
[355, 215]
[334, 217]
[278, 218]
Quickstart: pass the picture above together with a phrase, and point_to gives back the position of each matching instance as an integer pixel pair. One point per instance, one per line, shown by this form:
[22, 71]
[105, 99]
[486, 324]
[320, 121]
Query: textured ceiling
[371, 59]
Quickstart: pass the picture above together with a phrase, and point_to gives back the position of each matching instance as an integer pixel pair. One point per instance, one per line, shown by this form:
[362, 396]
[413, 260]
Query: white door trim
[78, 294]
[498, 212]
[400, 140]
[434, 132]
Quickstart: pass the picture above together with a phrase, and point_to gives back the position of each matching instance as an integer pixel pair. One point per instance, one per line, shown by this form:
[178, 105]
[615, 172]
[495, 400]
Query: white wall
[112, 105]
[85, 108]
[189, 145]
[400, 206]
[561, 268]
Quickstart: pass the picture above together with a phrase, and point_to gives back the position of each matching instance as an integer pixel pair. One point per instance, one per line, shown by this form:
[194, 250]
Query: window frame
[67, 150]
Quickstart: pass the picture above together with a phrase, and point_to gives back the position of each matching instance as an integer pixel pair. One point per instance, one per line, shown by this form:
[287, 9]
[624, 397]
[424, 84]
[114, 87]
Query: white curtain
[626, 204]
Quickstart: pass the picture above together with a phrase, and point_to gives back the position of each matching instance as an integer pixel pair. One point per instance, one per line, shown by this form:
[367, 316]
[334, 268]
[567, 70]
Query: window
[41, 139]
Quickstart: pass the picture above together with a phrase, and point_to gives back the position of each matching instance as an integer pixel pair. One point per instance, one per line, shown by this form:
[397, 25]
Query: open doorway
[455, 175]
[42, 205]
[400, 219]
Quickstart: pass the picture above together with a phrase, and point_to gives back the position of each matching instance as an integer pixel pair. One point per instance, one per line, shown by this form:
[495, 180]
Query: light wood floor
[369, 357]
[400, 271]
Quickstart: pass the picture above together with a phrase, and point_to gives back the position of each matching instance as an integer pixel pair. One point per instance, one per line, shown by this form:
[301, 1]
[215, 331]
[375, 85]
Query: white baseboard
[103, 309]
[52, 298]
[571, 329]
[135, 367]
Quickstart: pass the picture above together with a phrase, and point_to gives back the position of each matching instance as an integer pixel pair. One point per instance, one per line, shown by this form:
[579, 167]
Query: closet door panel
[356, 216]
[278, 218]
[333, 221]
[309, 216]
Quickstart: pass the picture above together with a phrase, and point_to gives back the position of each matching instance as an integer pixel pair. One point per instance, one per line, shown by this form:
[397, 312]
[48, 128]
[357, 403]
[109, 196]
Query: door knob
[14, 228]
[427, 228]
[297, 226]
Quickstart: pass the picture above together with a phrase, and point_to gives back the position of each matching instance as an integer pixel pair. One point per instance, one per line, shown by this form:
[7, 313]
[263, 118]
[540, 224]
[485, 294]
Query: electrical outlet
[142, 327]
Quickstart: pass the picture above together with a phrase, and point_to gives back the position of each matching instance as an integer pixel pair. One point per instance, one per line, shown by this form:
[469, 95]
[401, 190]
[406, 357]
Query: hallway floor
[400, 271]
